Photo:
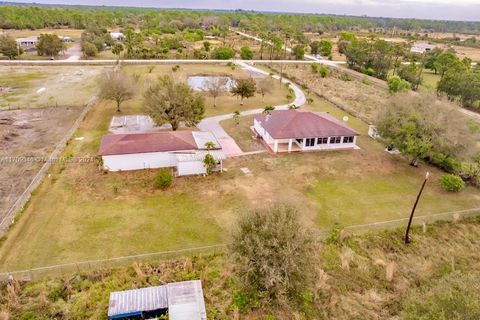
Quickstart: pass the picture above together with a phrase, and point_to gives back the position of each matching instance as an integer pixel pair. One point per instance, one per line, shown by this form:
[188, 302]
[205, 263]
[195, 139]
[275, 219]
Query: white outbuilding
[183, 151]
[117, 36]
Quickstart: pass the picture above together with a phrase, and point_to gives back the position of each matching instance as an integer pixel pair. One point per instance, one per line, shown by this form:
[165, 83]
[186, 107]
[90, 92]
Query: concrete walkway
[212, 124]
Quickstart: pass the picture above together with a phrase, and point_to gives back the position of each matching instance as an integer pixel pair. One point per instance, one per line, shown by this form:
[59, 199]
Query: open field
[225, 103]
[73, 33]
[467, 52]
[99, 215]
[361, 97]
[39, 87]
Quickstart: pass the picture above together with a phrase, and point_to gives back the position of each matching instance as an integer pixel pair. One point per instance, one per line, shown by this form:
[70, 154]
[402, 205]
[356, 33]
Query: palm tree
[210, 145]
[236, 117]
[209, 161]
[268, 110]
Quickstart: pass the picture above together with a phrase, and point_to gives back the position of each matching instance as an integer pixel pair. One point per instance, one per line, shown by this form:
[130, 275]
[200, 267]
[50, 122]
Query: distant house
[422, 47]
[117, 36]
[183, 151]
[296, 130]
[28, 42]
[66, 39]
[179, 300]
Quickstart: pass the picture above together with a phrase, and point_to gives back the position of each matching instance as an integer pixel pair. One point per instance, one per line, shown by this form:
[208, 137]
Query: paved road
[212, 124]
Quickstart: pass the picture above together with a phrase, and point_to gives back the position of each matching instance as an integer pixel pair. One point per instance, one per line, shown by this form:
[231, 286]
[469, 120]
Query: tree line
[79, 17]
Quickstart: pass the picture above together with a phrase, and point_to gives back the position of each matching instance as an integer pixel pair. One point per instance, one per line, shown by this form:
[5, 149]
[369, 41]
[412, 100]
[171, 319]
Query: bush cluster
[452, 183]
[163, 179]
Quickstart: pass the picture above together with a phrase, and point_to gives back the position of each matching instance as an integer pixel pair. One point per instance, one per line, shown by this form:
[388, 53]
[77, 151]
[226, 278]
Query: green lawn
[242, 134]
[81, 213]
[430, 80]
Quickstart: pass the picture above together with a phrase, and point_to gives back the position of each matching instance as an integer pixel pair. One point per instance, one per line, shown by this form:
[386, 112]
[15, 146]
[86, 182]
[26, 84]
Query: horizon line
[365, 16]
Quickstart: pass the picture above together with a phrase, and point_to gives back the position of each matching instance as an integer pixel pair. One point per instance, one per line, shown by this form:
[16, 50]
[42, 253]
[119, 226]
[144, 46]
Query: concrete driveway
[229, 146]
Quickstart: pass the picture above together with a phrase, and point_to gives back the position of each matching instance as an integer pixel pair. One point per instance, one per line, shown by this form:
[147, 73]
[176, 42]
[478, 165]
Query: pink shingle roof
[147, 142]
[296, 124]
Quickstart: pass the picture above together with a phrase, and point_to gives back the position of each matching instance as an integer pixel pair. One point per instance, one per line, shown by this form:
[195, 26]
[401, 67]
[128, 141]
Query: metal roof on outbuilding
[200, 156]
[134, 302]
[202, 137]
[185, 301]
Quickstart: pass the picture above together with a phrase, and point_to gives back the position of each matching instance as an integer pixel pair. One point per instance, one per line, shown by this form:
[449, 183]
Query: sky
[467, 10]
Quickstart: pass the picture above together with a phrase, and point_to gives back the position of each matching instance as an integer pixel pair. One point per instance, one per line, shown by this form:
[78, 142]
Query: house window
[322, 140]
[338, 139]
[310, 142]
[332, 140]
[347, 139]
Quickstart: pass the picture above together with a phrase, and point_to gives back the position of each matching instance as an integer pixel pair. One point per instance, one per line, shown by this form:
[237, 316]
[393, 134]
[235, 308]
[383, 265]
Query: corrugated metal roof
[137, 300]
[185, 301]
[200, 155]
[202, 137]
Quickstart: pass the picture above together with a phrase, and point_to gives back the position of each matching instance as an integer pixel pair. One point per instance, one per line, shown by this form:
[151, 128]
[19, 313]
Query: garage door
[191, 168]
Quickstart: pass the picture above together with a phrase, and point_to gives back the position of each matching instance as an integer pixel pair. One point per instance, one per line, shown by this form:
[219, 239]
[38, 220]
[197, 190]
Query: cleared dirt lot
[28, 133]
[45, 102]
[29, 87]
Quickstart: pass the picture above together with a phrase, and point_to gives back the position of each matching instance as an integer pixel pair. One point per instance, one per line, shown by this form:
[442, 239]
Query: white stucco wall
[316, 146]
[257, 125]
[191, 168]
[138, 161]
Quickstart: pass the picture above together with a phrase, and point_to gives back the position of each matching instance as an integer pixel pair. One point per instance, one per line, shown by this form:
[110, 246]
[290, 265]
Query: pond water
[200, 83]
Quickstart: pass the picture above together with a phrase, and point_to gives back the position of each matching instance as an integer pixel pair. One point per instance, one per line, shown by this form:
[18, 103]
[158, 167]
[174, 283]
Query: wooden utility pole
[407, 238]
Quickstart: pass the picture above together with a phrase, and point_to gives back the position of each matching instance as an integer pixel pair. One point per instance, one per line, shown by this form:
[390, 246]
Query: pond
[200, 83]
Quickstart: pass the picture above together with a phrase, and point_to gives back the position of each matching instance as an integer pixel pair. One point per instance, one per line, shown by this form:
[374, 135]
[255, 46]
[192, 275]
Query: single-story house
[297, 130]
[183, 151]
[66, 38]
[178, 300]
[27, 42]
[117, 36]
[422, 47]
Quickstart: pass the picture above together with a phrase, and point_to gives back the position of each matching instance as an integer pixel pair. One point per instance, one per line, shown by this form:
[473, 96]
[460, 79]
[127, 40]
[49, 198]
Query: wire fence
[417, 220]
[92, 265]
[9, 217]
[68, 269]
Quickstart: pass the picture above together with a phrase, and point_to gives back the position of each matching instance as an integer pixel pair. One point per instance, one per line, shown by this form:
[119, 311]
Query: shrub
[452, 183]
[246, 53]
[397, 84]
[89, 49]
[314, 67]
[345, 77]
[223, 53]
[163, 179]
[324, 71]
[274, 255]
[370, 71]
